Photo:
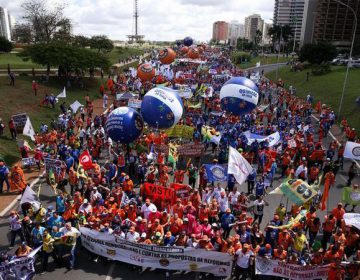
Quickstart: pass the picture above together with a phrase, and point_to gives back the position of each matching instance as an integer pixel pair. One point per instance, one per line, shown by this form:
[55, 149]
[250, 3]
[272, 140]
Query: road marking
[12, 204]
[110, 271]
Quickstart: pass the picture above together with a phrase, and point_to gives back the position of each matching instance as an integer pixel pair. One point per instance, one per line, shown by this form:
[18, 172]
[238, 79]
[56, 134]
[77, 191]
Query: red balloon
[146, 72]
[193, 53]
[184, 50]
[167, 56]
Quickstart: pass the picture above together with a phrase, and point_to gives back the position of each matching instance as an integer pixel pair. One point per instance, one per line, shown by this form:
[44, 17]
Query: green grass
[20, 99]
[16, 62]
[327, 88]
[121, 53]
[263, 60]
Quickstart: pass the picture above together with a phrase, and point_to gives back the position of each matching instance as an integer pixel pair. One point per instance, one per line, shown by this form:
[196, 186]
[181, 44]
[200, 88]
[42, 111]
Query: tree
[317, 53]
[280, 33]
[101, 43]
[5, 45]
[46, 24]
[22, 34]
[80, 41]
[244, 44]
[257, 38]
[66, 57]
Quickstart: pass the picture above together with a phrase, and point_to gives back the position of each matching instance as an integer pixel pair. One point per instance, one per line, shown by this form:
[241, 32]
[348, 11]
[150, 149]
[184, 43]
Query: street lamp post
[277, 64]
[350, 55]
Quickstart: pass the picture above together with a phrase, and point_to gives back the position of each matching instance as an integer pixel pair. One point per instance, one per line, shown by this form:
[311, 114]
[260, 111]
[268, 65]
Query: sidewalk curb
[12, 204]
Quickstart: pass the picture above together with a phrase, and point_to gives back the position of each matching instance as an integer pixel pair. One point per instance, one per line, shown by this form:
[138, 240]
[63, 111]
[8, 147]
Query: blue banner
[216, 172]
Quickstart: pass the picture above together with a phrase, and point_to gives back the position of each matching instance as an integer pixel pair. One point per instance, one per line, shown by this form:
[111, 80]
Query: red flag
[85, 160]
[325, 195]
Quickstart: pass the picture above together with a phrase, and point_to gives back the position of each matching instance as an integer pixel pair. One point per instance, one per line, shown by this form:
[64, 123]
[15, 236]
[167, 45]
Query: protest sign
[216, 172]
[134, 103]
[163, 257]
[158, 193]
[181, 131]
[273, 139]
[352, 150]
[181, 190]
[281, 269]
[55, 164]
[352, 219]
[191, 150]
[20, 268]
[28, 162]
[351, 196]
[296, 190]
[20, 121]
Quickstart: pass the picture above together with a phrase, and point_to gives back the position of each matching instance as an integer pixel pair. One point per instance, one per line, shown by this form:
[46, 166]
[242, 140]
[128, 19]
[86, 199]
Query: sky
[164, 20]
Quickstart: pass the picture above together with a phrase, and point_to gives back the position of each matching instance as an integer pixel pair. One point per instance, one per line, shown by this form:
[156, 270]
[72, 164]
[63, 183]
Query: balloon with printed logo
[184, 50]
[167, 56]
[188, 41]
[239, 96]
[146, 72]
[124, 125]
[193, 53]
[161, 108]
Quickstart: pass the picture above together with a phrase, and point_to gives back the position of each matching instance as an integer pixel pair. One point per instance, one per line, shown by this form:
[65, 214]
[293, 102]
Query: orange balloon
[184, 50]
[167, 56]
[193, 53]
[146, 72]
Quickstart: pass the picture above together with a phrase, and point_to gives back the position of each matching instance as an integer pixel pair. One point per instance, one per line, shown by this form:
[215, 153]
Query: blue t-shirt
[37, 235]
[226, 220]
[60, 204]
[260, 189]
[3, 170]
[59, 222]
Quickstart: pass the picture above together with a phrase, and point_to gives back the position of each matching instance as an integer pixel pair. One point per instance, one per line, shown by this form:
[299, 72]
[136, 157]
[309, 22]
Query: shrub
[240, 57]
[321, 69]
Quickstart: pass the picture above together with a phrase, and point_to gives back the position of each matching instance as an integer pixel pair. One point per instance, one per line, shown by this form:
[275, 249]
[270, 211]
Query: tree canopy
[5, 45]
[278, 32]
[69, 58]
[317, 53]
[101, 43]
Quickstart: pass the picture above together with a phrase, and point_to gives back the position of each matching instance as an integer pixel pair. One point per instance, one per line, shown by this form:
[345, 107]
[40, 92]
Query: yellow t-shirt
[299, 242]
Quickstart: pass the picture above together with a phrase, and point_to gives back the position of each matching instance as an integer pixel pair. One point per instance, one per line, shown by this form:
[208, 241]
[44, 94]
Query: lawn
[20, 99]
[327, 89]
[16, 62]
[263, 60]
[121, 53]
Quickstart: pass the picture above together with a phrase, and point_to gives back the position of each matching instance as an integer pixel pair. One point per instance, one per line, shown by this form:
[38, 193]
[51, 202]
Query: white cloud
[159, 20]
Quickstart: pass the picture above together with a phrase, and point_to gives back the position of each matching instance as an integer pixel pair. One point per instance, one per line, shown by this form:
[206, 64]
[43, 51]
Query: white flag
[238, 166]
[62, 94]
[29, 130]
[29, 196]
[75, 106]
[258, 64]
[352, 150]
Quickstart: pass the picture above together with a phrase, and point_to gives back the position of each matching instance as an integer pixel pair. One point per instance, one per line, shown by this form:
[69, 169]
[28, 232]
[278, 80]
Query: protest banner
[216, 172]
[281, 269]
[28, 162]
[20, 121]
[134, 103]
[163, 257]
[352, 150]
[273, 139]
[191, 150]
[181, 131]
[352, 219]
[20, 268]
[296, 190]
[181, 190]
[55, 164]
[351, 196]
[159, 193]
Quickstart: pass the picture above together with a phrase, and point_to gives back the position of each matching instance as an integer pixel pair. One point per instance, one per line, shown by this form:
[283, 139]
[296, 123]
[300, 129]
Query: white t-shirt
[132, 236]
[14, 225]
[233, 197]
[259, 207]
[223, 203]
[147, 210]
[243, 258]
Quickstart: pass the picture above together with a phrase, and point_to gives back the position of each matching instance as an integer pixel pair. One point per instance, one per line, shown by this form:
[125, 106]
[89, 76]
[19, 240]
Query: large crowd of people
[226, 217]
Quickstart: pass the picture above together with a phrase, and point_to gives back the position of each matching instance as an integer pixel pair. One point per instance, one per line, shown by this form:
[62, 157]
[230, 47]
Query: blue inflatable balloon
[124, 125]
[239, 96]
[188, 41]
[161, 108]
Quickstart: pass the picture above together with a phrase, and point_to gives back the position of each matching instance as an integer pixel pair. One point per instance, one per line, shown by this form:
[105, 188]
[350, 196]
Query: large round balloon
[188, 41]
[193, 53]
[161, 108]
[124, 125]
[167, 56]
[184, 50]
[239, 96]
[146, 72]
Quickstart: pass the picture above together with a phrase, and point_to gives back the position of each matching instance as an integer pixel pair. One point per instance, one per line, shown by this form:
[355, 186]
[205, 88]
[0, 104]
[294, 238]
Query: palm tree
[280, 32]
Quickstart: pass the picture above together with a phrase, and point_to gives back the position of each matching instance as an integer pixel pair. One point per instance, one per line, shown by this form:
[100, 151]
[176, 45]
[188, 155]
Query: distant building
[5, 23]
[252, 24]
[290, 12]
[236, 30]
[266, 39]
[327, 20]
[220, 31]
